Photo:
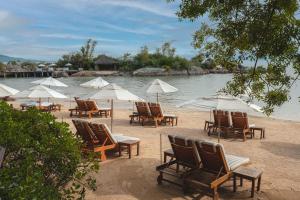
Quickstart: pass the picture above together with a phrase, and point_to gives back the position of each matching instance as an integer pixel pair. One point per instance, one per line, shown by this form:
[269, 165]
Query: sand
[278, 155]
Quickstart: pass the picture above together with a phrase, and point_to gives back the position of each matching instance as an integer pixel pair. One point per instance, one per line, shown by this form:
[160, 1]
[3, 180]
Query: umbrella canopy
[38, 92]
[7, 91]
[50, 82]
[160, 87]
[113, 92]
[41, 65]
[95, 83]
[223, 102]
[52, 65]
[68, 65]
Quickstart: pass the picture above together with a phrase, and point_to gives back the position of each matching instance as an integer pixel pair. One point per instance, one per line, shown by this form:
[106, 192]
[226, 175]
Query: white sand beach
[278, 155]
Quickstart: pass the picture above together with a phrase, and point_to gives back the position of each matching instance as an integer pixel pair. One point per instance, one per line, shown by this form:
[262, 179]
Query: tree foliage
[84, 58]
[2, 67]
[265, 34]
[42, 159]
[163, 57]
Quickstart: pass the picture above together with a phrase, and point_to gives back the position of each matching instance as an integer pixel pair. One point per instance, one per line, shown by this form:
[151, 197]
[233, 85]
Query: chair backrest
[155, 110]
[143, 109]
[184, 151]
[85, 132]
[240, 122]
[221, 118]
[212, 157]
[81, 105]
[91, 105]
[238, 114]
[102, 133]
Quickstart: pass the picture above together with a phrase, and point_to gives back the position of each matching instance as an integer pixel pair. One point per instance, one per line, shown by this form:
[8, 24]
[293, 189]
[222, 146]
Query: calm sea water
[189, 88]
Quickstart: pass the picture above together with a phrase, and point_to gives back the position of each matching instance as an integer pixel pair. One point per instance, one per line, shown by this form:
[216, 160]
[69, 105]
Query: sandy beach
[278, 155]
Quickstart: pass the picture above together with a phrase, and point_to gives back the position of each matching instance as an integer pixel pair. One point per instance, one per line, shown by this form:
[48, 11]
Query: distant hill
[5, 59]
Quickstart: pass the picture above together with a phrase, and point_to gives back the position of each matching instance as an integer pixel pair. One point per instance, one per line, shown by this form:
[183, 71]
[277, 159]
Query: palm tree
[87, 52]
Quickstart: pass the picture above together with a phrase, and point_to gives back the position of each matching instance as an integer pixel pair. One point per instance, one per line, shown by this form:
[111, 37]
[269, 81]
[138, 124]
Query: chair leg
[215, 194]
[103, 155]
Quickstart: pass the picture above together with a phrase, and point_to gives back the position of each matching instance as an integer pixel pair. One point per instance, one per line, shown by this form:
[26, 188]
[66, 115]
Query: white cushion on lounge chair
[234, 162]
[251, 125]
[169, 115]
[121, 138]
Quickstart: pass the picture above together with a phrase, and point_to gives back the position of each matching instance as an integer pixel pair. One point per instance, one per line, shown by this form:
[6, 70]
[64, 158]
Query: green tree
[87, 53]
[84, 58]
[142, 58]
[2, 67]
[263, 33]
[198, 59]
[28, 65]
[167, 50]
[42, 158]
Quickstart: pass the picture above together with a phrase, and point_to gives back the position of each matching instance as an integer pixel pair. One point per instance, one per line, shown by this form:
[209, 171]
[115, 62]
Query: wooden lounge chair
[240, 125]
[216, 168]
[158, 116]
[93, 109]
[91, 142]
[143, 112]
[81, 107]
[221, 122]
[108, 140]
[186, 160]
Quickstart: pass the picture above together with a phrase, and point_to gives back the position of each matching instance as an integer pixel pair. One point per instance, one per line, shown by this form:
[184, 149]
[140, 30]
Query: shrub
[42, 159]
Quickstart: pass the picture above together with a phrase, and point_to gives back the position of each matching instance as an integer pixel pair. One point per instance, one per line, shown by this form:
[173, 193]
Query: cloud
[159, 8]
[154, 8]
[143, 31]
[76, 37]
[10, 21]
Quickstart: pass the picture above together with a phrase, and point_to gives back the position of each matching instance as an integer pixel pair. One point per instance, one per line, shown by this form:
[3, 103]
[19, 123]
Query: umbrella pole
[219, 130]
[160, 148]
[157, 97]
[111, 115]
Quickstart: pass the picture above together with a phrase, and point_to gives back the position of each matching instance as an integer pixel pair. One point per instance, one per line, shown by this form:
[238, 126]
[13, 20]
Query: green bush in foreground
[43, 158]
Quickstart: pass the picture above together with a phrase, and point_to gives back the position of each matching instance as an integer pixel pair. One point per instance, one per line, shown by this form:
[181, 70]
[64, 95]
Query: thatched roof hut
[104, 62]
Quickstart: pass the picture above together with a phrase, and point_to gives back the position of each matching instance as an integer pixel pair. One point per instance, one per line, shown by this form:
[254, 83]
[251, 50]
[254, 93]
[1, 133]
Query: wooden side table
[170, 119]
[251, 174]
[261, 129]
[128, 144]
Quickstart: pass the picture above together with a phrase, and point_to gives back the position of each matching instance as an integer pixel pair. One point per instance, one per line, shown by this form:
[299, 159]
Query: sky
[47, 29]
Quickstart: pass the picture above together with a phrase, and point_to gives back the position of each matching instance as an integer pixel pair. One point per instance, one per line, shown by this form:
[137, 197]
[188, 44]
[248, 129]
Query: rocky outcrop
[97, 73]
[58, 74]
[152, 71]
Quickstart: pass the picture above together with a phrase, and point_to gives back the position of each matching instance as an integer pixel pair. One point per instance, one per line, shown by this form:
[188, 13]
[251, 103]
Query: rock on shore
[152, 71]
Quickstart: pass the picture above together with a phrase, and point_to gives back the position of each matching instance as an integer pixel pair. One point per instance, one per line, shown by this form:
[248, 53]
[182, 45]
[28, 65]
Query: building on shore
[104, 62]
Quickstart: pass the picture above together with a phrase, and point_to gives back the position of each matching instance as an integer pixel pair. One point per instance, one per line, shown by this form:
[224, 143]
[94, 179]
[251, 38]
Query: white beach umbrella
[41, 65]
[50, 82]
[6, 91]
[68, 65]
[223, 102]
[160, 87]
[113, 92]
[38, 92]
[95, 83]
[52, 65]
